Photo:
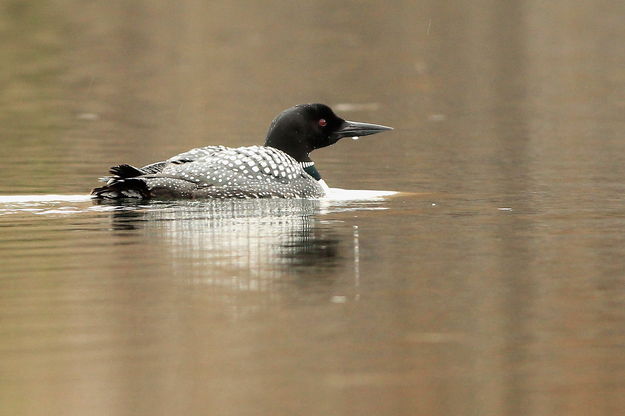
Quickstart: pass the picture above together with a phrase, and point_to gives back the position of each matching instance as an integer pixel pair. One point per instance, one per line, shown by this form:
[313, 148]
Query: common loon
[282, 168]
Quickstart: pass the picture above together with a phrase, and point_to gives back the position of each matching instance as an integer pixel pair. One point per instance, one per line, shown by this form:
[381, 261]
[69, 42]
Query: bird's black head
[299, 130]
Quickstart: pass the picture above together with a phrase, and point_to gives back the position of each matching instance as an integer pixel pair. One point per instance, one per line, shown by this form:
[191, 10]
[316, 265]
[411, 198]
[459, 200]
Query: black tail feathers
[126, 171]
[123, 184]
[120, 188]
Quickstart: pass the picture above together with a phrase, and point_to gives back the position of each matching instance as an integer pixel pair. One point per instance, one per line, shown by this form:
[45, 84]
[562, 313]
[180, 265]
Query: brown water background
[494, 285]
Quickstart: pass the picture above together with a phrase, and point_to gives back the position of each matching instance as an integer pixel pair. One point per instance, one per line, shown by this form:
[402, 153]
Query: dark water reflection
[255, 243]
[492, 286]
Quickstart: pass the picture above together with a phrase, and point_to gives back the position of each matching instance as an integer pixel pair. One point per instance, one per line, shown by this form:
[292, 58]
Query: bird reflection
[238, 244]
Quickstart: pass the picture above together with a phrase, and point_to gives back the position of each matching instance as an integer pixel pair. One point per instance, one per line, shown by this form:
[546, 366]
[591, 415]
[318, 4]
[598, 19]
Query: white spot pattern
[223, 172]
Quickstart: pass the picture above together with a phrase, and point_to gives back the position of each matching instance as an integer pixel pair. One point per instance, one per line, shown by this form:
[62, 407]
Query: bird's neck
[309, 168]
[290, 141]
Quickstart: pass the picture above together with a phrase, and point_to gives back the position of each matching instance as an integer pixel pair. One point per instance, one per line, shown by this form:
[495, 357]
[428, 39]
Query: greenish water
[493, 284]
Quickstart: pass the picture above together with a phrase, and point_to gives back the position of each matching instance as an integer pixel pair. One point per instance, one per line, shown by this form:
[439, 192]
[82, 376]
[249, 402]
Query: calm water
[492, 285]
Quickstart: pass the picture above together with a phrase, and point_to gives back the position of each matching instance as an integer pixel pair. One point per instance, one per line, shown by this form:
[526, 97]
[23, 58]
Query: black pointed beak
[356, 129]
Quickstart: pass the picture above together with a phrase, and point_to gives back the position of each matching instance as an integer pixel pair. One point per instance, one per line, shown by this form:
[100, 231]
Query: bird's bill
[357, 129]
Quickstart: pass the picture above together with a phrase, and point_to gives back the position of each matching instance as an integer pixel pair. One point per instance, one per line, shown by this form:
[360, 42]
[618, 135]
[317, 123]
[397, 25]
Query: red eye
[323, 122]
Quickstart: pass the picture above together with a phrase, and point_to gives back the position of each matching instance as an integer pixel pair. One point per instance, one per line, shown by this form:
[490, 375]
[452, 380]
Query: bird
[281, 168]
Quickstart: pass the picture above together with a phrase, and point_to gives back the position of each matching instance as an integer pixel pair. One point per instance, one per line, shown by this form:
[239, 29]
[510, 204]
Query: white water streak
[26, 199]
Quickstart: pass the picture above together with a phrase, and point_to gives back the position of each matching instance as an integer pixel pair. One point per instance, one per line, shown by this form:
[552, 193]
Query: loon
[282, 168]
